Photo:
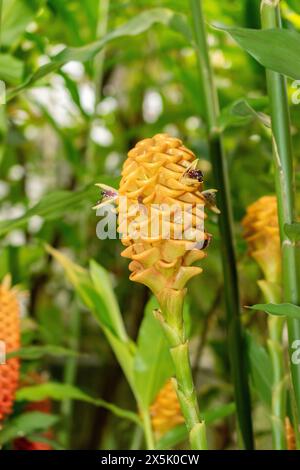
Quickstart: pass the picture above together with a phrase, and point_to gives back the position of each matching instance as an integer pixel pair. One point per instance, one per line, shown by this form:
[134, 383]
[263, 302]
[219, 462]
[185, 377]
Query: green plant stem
[272, 294]
[284, 181]
[231, 289]
[171, 318]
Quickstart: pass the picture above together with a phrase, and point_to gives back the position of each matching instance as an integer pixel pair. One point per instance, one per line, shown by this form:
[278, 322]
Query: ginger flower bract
[261, 231]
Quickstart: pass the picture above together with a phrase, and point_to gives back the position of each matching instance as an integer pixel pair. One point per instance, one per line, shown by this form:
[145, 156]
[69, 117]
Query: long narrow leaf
[275, 49]
[26, 424]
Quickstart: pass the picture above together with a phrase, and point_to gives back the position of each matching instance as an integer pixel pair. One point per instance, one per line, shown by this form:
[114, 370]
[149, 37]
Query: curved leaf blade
[58, 391]
[137, 25]
[275, 49]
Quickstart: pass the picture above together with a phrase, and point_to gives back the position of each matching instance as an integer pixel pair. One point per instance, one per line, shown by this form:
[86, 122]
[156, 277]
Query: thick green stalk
[284, 180]
[272, 294]
[231, 289]
[171, 319]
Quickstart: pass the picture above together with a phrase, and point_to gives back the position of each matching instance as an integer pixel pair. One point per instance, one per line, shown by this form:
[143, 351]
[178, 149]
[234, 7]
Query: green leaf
[11, 69]
[178, 434]
[69, 19]
[137, 25]
[36, 352]
[152, 364]
[102, 283]
[242, 112]
[275, 49]
[51, 206]
[59, 391]
[293, 231]
[26, 424]
[172, 438]
[220, 412]
[281, 310]
[260, 369]
[16, 15]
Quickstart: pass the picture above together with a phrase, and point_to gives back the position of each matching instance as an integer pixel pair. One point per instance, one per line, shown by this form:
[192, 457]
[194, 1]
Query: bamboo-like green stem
[284, 181]
[171, 318]
[231, 289]
[272, 294]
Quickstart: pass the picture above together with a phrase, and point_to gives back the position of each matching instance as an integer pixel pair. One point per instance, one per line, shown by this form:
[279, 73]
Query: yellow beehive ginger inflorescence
[10, 335]
[261, 231]
[165, 411]
[161, 185]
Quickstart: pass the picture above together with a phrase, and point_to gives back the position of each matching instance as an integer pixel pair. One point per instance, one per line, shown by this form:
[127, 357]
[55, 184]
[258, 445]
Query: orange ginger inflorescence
[161, 178]
[165, 410]
[261, 231]
[10, 335]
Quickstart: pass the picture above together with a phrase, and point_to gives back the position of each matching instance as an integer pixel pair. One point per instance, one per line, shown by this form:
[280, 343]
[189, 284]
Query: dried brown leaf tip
[261, 231]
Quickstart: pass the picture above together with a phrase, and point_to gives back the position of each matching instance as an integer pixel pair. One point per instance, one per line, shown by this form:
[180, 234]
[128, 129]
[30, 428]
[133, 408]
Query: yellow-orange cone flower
[165, 411]
[10, 336]
[262, 234]
[290, 435]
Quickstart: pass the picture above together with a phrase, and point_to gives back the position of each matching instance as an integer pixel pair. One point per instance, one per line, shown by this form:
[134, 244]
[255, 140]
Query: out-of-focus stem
[231, 289]
[284, 180]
